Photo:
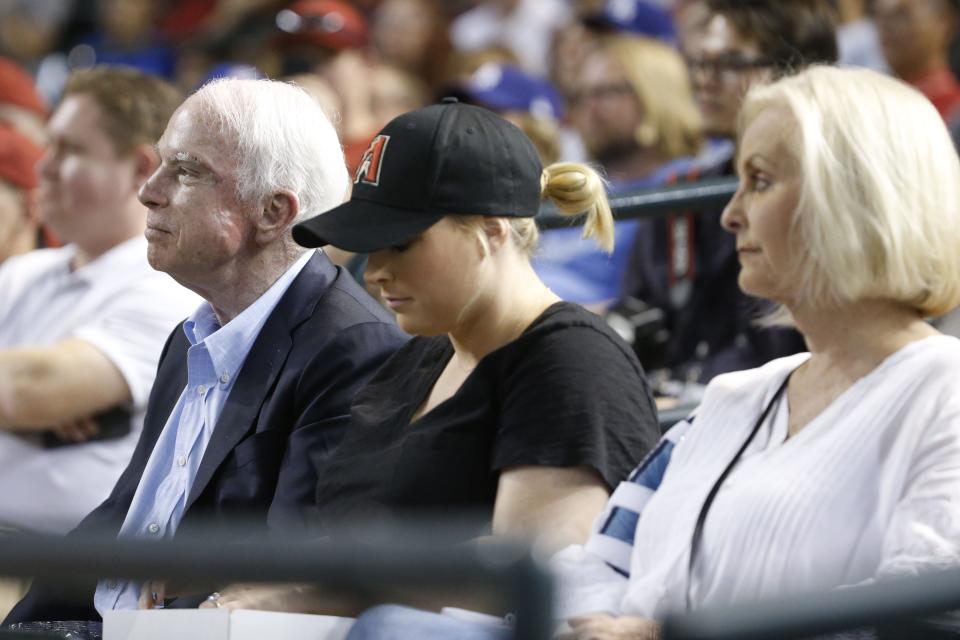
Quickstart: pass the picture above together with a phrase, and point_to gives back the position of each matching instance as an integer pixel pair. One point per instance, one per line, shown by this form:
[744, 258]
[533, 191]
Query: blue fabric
[621, 524]
[576, 269]
[613, 539]
[641, 17]
[392, 622]
[214, 359]
[504, 87]
[650, 473]
[152, 58]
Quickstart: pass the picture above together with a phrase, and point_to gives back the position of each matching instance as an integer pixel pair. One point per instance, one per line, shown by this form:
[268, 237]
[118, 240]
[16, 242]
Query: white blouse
[869, 488]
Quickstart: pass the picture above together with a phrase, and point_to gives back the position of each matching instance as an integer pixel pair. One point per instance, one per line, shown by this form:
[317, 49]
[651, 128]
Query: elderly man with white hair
[254, 389]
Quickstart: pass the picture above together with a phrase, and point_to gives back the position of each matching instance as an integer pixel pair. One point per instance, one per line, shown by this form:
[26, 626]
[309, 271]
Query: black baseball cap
[448, 158]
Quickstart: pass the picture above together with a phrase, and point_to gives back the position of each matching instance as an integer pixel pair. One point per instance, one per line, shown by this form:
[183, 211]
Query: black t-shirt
[567, 392]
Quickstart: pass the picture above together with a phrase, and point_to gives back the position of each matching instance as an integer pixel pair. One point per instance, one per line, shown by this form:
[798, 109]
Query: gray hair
[283, 141]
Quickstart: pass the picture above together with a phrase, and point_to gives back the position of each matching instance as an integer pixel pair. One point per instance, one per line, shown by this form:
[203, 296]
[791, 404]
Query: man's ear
[278, 213]
[145, 162]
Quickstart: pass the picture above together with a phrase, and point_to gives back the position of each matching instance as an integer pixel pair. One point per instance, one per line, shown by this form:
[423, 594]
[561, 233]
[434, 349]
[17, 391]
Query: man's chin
[154, 259]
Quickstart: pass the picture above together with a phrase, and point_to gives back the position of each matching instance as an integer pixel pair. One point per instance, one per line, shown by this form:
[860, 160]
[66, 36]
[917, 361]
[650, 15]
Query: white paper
[221, 624]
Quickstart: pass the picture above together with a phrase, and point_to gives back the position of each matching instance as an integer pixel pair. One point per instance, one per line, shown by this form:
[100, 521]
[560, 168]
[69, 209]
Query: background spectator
[686, 265]
[915, 36]
[21, 106]
[858, 42]
[82, 327]
[126, 34]
[413, 35]
[524, 27]
[633, 108]
[19, 221]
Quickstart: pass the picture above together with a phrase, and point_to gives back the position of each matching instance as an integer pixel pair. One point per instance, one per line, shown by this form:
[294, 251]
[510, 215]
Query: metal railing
[885, 603]
[379, 557]
[362, 560]
[703, 196]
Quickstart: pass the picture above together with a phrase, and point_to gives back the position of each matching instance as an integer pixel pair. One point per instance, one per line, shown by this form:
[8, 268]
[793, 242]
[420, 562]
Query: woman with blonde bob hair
[838, 466]
[825, 469]
[507, 403]
[880, 195]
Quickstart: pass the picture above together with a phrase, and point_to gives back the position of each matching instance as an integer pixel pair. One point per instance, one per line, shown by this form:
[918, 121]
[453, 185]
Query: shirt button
[111, 584]
[225, 378]
[182, 461]
[201, 389]
[153, 528]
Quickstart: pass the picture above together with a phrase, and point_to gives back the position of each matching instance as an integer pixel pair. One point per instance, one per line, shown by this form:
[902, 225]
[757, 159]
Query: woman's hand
[152, 594]
[290, 598]
[79, 430]
[600, 626]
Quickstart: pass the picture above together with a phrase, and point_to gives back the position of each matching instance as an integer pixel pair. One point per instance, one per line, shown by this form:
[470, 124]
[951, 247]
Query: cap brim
[362, 226]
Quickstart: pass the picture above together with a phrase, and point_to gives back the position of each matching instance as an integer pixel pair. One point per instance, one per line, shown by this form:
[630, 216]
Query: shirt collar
[228, 345]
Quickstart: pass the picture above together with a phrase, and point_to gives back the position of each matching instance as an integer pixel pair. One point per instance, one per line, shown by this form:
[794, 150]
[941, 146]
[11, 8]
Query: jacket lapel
[262, 366]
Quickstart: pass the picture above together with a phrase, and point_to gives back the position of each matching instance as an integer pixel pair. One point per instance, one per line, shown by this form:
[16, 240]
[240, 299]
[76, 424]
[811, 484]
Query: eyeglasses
[600, 92]
[726, 67]
[292, 22]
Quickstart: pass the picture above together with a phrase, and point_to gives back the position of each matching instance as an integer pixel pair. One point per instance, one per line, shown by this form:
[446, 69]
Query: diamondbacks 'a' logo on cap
[369, 170]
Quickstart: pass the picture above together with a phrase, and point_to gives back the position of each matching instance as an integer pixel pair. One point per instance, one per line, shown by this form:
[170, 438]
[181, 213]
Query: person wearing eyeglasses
[747, 43]
[685, 264]
[633, 108]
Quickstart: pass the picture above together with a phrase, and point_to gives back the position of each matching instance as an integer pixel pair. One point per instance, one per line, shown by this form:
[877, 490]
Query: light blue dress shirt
[214, 359]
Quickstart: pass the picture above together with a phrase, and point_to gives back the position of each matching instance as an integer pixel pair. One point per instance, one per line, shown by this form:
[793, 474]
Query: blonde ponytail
[576, 189]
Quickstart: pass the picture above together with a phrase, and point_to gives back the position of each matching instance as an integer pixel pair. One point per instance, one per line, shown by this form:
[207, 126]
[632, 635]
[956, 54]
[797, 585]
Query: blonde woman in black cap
[510, 403]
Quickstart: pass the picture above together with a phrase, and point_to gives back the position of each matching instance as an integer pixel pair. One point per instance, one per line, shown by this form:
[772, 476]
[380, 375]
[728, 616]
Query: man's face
[606, 110]
[723, 68]
[84, 185]
[913, 34]
[198, 230]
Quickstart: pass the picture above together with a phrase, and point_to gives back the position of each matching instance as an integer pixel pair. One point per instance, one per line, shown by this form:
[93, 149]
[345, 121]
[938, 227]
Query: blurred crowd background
[645, 90]
[369, 60]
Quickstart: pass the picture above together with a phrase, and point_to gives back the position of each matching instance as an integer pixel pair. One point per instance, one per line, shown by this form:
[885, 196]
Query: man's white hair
[283, 141]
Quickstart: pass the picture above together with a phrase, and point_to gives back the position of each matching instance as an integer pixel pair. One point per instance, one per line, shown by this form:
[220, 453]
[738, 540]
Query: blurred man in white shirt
[82, 327]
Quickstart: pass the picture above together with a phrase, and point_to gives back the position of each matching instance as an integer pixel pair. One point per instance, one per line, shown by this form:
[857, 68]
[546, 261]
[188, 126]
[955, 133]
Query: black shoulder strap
[702, 517]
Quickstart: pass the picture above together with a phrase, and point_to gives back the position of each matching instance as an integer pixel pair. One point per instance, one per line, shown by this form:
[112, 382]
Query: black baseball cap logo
[369, 170]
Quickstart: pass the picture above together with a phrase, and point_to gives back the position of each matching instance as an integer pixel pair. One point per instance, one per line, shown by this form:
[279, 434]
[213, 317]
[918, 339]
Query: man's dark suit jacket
[289, 406]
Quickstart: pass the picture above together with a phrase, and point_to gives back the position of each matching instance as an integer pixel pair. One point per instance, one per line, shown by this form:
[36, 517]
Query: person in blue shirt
[253, 391]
